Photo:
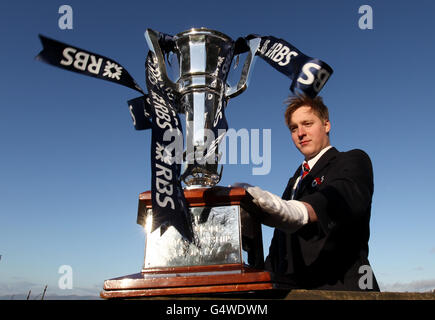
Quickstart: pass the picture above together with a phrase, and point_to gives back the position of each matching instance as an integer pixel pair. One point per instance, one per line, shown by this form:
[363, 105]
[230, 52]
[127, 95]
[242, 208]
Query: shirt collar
[313, 161]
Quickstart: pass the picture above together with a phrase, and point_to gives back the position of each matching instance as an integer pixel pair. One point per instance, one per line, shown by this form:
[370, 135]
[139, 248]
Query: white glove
[286, 215]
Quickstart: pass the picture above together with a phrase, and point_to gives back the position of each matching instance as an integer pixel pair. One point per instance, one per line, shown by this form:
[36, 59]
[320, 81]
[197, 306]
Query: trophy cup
[227, 254]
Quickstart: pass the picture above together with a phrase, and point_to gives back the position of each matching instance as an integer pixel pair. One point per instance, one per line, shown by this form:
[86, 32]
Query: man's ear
[327, 125]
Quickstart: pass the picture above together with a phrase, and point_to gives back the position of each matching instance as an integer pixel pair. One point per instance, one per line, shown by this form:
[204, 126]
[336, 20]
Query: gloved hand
[287, 215]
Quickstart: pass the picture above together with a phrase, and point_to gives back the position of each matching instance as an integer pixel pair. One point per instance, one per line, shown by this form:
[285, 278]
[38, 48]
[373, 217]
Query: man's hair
[316, 104]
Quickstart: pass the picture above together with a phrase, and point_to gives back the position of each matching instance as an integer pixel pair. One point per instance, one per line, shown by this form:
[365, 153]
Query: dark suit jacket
[328, 254]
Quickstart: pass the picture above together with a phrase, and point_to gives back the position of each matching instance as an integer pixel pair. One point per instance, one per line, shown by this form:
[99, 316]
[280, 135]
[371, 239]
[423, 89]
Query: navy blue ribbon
[167, 196]
[78, 60]
[308, 75]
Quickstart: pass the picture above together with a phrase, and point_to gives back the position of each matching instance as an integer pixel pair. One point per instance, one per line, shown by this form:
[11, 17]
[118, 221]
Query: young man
[322, 220]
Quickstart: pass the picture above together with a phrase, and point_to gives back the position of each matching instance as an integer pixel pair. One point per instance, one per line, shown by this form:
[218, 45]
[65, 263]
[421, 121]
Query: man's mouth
[303, 143]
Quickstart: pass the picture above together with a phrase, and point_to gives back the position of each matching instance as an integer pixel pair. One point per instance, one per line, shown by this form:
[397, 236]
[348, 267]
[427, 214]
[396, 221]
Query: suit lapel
[318, 167]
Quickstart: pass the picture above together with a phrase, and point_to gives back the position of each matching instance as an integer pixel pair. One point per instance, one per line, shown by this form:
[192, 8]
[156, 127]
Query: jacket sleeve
[344, 198]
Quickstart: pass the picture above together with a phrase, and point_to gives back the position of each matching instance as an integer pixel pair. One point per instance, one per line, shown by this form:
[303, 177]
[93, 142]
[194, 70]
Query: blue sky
[72, 165]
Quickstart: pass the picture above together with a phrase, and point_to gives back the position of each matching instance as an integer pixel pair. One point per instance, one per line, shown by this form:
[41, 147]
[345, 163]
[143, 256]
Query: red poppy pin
[317, 181]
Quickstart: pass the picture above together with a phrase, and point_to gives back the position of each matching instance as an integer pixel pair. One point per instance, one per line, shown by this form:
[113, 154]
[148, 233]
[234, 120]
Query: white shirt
[311, 164]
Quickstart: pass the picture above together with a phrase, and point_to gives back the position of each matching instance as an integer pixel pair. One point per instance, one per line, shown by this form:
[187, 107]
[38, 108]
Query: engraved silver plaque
[218, 240]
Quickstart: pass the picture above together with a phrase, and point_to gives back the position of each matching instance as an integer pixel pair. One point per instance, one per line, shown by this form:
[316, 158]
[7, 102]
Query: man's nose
[301, 132]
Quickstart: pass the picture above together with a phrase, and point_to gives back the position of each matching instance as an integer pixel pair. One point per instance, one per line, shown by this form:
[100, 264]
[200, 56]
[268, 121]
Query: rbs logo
[81, 60]
[84, 61]
[280, 54]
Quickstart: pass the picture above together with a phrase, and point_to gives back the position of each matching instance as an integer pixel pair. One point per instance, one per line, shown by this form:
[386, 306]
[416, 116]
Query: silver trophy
[221, 228]
[204, 59]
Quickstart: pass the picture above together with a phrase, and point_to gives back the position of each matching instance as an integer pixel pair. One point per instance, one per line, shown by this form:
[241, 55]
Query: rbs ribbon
[308, 75]
[78, 60]
[167, 196]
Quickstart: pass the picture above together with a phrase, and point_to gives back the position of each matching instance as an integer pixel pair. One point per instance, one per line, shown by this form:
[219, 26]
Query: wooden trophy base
[213, 281]
[228, 280]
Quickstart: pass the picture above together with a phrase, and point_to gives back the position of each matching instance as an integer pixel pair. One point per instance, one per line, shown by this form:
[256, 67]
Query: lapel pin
[317, 181]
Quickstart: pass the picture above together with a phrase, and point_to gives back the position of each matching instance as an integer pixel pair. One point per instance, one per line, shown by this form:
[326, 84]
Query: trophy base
[226, 218]
[225, 280]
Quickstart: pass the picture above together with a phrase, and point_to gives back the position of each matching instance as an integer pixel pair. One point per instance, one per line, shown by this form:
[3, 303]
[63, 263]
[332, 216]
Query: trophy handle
[152, 38]
[241, 86]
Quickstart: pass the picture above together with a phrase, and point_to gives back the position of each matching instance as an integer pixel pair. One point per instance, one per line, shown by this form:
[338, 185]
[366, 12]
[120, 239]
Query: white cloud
[427, 285]
[418, 269]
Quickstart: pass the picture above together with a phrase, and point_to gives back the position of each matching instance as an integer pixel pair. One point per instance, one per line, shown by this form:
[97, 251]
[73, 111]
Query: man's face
[309, 132]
